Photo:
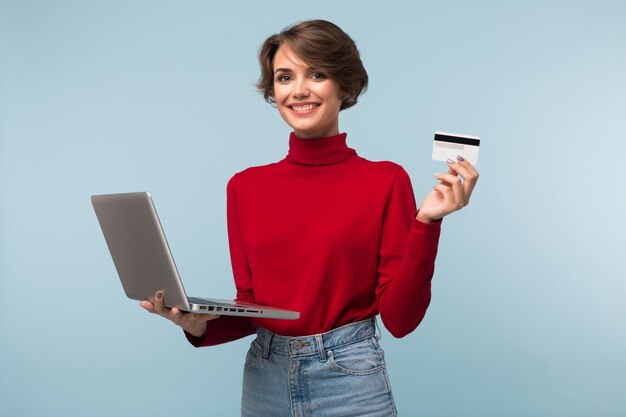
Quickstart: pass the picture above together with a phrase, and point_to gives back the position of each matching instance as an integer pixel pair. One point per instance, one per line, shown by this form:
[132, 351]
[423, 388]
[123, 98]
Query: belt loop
[320, 347]
[267, 342]
[378, 334]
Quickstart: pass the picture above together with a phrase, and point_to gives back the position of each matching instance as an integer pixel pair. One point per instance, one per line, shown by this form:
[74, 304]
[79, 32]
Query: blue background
[527, 317]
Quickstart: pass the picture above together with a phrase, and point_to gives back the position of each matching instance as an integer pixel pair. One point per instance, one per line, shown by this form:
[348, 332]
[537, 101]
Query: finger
[448, 197]
[183, 319]
[458, 200]
[457, 168]
[159, 306]
[470, 176]
[448, 179]
[468, 188]
[176, 316]
[147, 305]
[187, 320]
[452, 195]
[467, 165]
[465, 169]
[191, 317]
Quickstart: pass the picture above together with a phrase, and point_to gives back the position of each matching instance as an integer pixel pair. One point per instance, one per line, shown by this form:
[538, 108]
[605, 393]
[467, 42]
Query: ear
[271, 96]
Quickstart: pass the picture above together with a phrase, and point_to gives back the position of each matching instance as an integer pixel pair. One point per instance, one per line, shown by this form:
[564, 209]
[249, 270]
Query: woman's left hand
[451, 194]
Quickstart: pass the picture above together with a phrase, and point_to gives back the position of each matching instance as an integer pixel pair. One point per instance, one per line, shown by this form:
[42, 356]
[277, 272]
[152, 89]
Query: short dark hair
[324, 46]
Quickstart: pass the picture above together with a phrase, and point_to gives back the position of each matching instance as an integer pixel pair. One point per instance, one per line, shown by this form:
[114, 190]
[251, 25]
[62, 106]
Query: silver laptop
[144, 263]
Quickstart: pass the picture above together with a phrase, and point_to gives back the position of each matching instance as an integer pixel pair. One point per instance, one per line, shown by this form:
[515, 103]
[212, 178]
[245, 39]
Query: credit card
[449, 145]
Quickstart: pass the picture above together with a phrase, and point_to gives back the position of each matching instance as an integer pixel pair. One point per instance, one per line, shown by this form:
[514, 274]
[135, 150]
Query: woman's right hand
[193, 323]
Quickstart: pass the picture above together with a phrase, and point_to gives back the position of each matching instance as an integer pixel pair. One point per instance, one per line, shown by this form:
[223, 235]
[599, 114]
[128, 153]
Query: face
[306, 98]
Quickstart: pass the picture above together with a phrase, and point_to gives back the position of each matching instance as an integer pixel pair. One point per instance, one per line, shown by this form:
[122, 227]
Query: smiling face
[306, 98]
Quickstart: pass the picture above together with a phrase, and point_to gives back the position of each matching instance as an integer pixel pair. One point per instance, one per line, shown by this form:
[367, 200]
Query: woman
[326, 233]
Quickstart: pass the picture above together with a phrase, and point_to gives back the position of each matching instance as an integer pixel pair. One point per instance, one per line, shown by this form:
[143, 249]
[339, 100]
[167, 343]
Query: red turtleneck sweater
[331, 235]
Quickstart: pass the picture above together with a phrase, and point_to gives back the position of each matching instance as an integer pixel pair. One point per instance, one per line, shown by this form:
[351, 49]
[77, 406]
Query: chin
[305, 130]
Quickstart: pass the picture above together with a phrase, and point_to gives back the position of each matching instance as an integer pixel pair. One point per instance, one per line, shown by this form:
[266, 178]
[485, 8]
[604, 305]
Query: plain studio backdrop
[527, 315]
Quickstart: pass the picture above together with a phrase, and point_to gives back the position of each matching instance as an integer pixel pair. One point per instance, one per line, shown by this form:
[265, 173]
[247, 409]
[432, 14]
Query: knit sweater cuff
[426, 228]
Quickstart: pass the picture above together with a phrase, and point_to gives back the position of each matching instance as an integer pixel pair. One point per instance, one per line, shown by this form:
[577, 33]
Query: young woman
[326, 233]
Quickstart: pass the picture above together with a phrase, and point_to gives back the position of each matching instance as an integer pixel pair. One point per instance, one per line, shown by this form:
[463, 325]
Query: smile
[304, 107]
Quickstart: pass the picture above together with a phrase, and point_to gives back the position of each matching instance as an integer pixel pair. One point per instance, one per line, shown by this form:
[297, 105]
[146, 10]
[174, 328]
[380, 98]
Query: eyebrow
[290, 70]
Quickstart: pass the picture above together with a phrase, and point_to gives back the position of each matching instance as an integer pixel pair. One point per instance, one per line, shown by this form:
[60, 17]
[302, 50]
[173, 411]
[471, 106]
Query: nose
[300, 88]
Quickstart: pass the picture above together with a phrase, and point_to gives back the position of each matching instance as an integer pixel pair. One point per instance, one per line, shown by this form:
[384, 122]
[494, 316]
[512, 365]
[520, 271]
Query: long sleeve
[406, 263]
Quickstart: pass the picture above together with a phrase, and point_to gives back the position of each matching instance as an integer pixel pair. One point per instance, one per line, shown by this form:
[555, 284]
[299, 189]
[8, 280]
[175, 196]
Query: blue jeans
[339, 373]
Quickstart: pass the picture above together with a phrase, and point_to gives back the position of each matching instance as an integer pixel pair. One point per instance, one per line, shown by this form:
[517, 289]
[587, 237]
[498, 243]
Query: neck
[303, 134]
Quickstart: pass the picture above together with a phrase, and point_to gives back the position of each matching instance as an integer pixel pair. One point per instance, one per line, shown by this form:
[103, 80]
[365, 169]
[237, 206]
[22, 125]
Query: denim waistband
[317, 344]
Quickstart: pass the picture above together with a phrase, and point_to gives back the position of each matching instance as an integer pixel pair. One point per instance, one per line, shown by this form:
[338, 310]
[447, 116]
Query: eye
[283, 78]
[318, 76]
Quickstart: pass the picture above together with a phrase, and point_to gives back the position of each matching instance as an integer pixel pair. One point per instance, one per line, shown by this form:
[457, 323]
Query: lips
[305, 107]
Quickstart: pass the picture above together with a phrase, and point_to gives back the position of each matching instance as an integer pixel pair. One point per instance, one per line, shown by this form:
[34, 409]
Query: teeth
[304, 108]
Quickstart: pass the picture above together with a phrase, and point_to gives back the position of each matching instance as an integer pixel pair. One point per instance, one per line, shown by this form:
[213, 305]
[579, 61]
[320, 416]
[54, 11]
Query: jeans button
[297, 344]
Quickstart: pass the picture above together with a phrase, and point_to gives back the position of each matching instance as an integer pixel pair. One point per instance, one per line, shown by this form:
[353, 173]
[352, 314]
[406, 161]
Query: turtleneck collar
[323, 151]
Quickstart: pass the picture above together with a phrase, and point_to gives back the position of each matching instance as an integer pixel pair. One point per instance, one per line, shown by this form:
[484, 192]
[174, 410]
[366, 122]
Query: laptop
[144, 262]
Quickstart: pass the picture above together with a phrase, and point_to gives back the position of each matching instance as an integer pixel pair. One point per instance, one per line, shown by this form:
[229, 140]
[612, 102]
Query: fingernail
[450, 161]
[159, 294]
[460, 158]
